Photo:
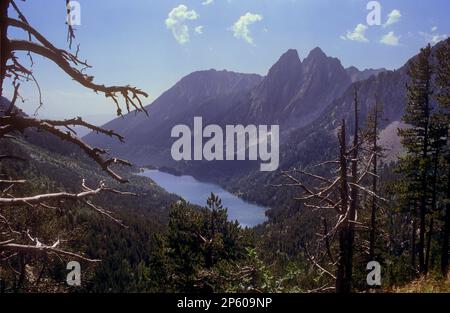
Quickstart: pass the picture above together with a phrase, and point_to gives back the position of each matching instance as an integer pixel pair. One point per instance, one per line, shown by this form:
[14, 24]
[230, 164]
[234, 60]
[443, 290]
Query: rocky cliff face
[293, 94]
[148, 138]
[308, 100]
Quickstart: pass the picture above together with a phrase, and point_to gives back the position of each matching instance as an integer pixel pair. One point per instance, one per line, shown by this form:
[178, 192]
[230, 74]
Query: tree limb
[33, 200]
[43, 249]
[130, 94]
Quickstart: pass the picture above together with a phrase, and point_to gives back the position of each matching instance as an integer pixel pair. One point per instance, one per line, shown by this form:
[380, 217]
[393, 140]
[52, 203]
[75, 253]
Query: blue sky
[136, 42]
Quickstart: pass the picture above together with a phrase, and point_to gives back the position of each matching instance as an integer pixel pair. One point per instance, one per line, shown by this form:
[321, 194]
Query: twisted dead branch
[13, 121]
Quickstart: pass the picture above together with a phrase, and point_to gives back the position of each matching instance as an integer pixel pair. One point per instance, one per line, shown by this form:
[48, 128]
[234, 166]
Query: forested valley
[337, 203]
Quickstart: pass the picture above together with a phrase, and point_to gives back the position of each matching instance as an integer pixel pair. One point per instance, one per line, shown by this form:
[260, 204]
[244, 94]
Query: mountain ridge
[292, 94]
[358, 75]
[308, 98]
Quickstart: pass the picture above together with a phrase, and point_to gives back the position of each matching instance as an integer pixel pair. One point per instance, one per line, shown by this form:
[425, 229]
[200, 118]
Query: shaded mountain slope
[292, 95]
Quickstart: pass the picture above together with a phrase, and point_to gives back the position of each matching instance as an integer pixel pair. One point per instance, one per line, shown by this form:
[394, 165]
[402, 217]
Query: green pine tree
[416, 139]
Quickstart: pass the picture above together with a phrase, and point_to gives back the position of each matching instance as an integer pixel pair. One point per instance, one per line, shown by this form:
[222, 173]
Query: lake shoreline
[196, 192]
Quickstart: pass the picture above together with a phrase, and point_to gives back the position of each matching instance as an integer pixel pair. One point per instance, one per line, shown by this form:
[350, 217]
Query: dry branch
[12, 120]
[34, 200]
[20, 123]
[42, 250]
[130, 94]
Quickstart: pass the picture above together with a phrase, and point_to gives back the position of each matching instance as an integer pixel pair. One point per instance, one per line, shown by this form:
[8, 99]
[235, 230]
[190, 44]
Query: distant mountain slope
[293, 94]
[357, 75]
[308, 99]
[317, 141]
[63, 166]
[147, 138]
[51, 165]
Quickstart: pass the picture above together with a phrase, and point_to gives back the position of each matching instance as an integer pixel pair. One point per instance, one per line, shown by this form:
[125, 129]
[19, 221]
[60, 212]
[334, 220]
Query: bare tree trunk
[21, 279]
[353, 191]
[445, 241]
[424, 185]
[347, 233]
[348, 207]
[327, 239]
[433, 208]
[374, 187]
[4, 42]
[209, 255]
[341, 195]
[414, 236]
[2, 286]
[343, 278]
[422, 226]
[427, 254]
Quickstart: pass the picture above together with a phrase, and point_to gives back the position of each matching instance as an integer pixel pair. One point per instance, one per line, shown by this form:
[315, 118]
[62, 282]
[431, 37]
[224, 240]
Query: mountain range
[293, 94]
[308, 98]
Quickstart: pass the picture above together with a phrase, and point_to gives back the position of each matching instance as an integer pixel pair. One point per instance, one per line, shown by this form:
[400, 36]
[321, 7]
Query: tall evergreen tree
[416, 138]
[443, 99]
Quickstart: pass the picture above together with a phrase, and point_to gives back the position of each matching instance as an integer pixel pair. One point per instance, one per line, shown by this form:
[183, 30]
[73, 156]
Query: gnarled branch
[33, 200]
[130, 94]
[20, 123]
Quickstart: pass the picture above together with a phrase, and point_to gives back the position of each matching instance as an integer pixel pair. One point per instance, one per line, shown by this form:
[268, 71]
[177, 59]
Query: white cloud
[207, 2]
[358, 34]
[393, 18]
[176, 22]
[240, 28]
[199, 29]
[390, 39]
[434, 37]
[434, 28]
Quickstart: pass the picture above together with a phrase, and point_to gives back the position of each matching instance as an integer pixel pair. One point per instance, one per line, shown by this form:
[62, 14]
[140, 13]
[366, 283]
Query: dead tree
[443, 99]
[339, 194]
[372, 134]
[348, 205]
[414, 210]
[446, 231]
[13, 121]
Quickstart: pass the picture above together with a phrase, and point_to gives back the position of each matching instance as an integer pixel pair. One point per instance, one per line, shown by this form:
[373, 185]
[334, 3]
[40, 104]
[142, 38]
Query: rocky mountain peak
[288, 63]
[316, 54]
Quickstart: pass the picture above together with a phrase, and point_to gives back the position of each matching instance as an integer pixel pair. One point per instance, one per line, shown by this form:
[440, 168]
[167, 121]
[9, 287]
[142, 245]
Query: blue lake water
[197, 192]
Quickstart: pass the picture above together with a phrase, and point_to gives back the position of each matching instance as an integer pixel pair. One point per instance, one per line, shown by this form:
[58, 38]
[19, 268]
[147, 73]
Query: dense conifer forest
[343, 206]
